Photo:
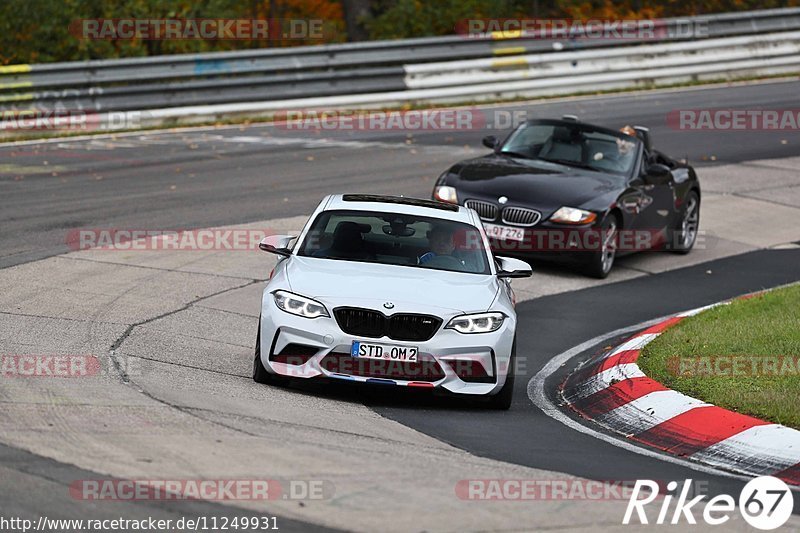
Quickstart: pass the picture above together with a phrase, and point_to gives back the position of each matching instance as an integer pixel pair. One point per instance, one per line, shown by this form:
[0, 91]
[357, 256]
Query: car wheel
[600, 262]
[261, 374]
[502, 400]
[684, 235]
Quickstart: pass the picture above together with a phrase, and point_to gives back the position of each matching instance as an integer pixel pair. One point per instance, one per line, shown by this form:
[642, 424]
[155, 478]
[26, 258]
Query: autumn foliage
[38, 31]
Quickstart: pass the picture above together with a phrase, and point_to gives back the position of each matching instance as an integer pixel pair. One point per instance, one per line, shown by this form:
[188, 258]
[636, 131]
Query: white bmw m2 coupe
[392, 291]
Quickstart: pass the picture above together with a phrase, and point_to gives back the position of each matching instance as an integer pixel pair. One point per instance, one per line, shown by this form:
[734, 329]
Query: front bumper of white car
[461, 363]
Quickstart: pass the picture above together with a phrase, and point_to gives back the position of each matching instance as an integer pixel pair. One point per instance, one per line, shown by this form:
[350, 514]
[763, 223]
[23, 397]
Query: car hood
[410, 289]
[543, 185]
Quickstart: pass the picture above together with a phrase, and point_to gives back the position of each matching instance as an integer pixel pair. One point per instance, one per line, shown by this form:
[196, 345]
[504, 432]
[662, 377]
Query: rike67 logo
[765, 503]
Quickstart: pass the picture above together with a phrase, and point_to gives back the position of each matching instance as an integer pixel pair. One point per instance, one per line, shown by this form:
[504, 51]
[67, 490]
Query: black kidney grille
[521, 216]
[362, 322]
[401, 327]
[407, 327]
[486, 210]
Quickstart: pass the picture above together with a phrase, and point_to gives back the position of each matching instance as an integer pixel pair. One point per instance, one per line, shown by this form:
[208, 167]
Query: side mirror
[277, 244]
[657, 171]
[490, 141]
[513, 268]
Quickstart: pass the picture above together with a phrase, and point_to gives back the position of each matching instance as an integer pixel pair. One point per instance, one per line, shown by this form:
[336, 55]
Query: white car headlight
[573, 215]
[477, 323]
[299, 305]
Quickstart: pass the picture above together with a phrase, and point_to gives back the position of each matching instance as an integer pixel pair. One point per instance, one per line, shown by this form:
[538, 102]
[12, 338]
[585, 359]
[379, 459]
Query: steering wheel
[445, 261]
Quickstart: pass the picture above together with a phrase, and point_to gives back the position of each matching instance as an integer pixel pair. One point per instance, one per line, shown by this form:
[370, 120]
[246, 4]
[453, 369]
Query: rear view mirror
[490, 141]
[398, 231]
[509, 267]
[277, 244]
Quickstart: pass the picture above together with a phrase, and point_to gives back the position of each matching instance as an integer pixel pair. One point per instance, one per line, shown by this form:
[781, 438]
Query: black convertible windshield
[575, 145]
[396, 239]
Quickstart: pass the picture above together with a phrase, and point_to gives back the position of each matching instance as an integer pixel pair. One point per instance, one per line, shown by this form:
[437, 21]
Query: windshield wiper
[511, 153]
[568, 163]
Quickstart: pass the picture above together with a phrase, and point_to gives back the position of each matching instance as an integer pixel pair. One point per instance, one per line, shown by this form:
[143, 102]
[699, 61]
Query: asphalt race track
[232, 175]
[236, 175]
[550, 326]
[30, 480]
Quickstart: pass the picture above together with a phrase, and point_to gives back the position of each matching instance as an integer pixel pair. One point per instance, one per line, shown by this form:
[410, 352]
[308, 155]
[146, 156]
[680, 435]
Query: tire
[504, 397]
[684, 235]
[599, 263]
[261, 374]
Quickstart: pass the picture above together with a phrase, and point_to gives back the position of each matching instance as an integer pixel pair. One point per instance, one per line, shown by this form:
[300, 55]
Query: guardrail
[712, 56]
[193, 87]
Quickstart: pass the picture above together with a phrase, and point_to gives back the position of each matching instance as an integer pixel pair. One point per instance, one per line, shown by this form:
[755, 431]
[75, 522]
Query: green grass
[762, 332]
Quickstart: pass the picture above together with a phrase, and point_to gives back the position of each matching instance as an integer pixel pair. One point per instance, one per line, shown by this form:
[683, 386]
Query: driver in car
[626, 147]
[622, 157]
[442, 244]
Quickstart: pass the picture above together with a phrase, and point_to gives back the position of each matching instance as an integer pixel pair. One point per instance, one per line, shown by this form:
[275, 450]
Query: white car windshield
[396, 239]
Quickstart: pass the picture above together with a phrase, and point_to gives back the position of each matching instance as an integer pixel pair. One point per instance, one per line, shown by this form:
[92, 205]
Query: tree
[356, 12]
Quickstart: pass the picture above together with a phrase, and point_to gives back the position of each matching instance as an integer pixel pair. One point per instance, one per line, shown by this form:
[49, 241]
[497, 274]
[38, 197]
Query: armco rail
[192, 87]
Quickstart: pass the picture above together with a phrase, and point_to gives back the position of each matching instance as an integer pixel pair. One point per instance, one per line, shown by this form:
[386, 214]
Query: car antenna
[571, 118]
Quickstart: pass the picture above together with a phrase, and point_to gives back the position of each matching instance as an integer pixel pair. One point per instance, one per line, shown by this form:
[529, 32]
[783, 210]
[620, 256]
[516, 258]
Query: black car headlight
[299, 305]
[573, 215]
[477, 323]
[445, 193]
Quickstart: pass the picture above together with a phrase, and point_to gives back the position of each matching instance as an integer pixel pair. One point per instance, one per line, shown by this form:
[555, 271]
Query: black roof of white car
[418, 202]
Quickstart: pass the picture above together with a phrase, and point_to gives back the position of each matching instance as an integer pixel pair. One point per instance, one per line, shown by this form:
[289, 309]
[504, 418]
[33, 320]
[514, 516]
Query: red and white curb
[613, 392]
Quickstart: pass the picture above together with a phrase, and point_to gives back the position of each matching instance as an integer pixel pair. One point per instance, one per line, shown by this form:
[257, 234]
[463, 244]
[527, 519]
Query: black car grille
[294, 354]
[404, 327]
[521, 216]
[401, 327]
[486, 210]
[362, 322]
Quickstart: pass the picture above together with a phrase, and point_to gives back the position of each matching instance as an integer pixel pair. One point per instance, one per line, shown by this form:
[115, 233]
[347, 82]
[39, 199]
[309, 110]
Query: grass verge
[744, 356]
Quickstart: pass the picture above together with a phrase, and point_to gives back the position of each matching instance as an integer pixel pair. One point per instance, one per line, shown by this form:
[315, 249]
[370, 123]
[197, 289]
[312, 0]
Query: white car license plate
[368, 350]
[504, 232]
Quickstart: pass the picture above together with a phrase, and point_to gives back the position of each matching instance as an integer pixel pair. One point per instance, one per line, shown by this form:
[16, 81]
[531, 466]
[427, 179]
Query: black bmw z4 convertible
[572, 192]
